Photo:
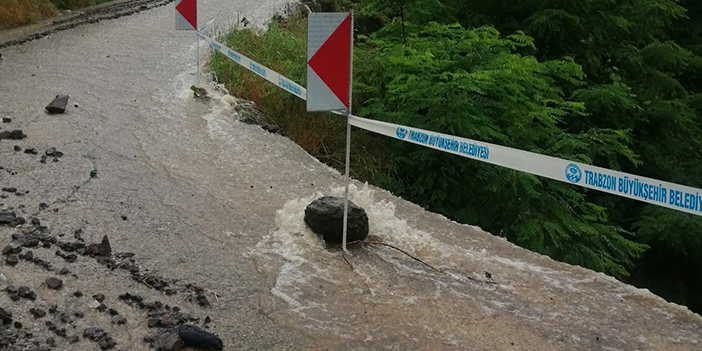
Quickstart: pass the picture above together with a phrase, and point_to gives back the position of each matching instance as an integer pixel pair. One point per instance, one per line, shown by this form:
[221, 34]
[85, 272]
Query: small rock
[8, 218]
[112, 312]
[58, 105]
[50, 341]
[202, 301]
[119, 320]
[43, 159]
[31, 151]
[5, 134]
[64, 271]
[37, 312]
[93, 333]
[17, 148]
[273, 129]
[36, 222]
[54, 283]
[14, 297]
[65, 318]
[79, 314]
[5, 316]
[102, 307]
[105, 249]
[195, 337]
[67, 257]
[166, 321]
[78, 294]
[99, 297]
[10, 190]
[51, 151]
[6, 120]
[18, 325]
[11, 249]
[171, 342]
[12, 260]
[25, 293]
[17, 134]
[28, 256]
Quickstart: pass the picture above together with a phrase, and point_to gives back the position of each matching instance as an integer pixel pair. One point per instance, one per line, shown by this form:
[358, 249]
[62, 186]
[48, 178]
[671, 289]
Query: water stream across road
[219, 202]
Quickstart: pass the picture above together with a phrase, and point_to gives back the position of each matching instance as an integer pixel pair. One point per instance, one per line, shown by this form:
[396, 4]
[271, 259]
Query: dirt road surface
[213, 208]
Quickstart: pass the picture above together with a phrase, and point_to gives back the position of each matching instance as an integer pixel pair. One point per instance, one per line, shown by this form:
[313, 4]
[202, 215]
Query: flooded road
[210, 200]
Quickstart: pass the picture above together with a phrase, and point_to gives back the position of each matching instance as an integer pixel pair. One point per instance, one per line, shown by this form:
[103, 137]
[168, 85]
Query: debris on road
[16, 134]
[99, 336]
[37, 312]
[52, 152]
[5, 316]
[199, 93]
[58, 105]
[271, 128]
[325, 216]
[54, 283]
[12, 260]
[185, 335]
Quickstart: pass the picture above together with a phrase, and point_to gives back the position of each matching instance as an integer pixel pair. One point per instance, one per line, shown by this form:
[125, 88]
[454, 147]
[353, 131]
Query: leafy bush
[473, 83]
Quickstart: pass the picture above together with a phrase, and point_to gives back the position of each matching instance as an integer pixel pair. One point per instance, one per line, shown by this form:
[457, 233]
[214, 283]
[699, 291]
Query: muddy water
[220, 203]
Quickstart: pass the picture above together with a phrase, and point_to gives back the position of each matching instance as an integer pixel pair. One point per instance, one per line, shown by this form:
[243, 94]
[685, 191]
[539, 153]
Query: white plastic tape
[674, 196]
[261, 70]
[652, 191]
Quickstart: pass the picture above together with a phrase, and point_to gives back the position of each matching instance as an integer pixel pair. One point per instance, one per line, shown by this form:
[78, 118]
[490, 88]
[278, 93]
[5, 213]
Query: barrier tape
[261, 70]
[674, 196]
[656, 192]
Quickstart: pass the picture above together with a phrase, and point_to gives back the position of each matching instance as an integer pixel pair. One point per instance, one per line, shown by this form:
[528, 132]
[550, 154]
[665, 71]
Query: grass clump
[283, 48]
[16, 13]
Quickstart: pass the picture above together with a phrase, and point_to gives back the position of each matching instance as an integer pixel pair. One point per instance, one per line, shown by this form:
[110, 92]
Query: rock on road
[204, 199]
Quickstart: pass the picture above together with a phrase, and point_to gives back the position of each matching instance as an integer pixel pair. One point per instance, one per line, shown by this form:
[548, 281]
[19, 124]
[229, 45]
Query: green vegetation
[76, 4]
[617, 84]
[15, 13]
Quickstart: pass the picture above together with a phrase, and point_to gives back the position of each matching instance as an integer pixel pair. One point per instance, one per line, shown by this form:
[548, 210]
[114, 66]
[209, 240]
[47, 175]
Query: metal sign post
[186, 19]
[347, 179]
[329, 82]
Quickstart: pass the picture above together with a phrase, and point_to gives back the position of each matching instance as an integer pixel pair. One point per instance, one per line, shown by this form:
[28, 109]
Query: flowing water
[220, 202]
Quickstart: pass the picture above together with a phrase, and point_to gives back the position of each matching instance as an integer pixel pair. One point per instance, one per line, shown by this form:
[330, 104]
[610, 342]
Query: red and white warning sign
[186, 14]
[329, 50]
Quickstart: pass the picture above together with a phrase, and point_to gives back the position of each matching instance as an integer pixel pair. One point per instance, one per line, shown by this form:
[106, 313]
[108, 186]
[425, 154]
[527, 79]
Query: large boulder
[325, 216]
